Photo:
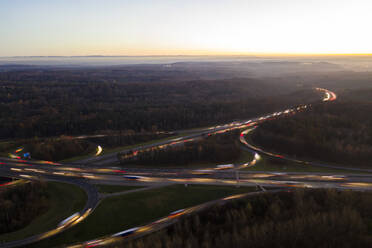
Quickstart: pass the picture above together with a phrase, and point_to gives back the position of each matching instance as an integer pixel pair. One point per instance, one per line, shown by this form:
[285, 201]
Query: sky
[184, 27]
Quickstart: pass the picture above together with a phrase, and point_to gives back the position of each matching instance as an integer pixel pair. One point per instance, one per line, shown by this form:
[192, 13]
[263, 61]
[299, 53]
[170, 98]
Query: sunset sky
[184, 27]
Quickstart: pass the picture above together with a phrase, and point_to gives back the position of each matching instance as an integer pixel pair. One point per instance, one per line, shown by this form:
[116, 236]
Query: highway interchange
[97, 170]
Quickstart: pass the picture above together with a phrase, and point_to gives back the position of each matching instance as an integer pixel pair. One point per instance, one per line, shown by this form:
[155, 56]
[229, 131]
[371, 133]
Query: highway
[95, 170]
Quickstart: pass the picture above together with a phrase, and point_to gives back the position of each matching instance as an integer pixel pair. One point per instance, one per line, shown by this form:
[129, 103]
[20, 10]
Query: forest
[42, 107]
[21, 204]
[49, 103]
[299, 218]
[338, 132]
[218, 148]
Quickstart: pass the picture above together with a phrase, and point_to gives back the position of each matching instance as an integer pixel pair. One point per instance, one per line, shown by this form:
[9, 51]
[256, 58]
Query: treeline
[59, 102]
[20, 204]
[303, 218]
[64, 147]
[219, 148]
[339, 132]
[58, 149]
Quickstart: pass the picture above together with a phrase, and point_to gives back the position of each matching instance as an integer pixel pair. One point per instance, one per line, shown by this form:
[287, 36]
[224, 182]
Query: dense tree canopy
[219, 148]
[339, 132]
[304, 218]
[20, 204]
[81, 101]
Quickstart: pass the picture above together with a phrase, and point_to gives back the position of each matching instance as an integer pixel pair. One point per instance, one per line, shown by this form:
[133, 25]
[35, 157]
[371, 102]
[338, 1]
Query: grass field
[108, 188]
[65, 199]
[122, 212]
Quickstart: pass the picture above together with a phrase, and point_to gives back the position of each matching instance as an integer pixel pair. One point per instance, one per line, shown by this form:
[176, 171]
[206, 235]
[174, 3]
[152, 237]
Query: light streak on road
[329, 95]
[99, 150]
[35, 170]
[14, 182]
[82, 217]
[233, 197]
[14, 156]
[66, 223]
[357, 185]
[262, 175]
[48, 162]
[202, 172]
[69, 220]
[18, 150]
[27, 176]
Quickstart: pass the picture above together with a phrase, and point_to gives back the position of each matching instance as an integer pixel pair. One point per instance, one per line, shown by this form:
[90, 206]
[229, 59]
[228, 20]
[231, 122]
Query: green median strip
[119, 213]
[65, 199]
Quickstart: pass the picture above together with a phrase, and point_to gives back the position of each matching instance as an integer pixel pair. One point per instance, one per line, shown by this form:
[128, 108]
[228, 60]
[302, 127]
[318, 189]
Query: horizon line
[200, 55]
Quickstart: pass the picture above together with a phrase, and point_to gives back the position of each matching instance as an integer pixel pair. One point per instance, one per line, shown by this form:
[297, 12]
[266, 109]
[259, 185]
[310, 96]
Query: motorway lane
[153, 175]
[227, 177]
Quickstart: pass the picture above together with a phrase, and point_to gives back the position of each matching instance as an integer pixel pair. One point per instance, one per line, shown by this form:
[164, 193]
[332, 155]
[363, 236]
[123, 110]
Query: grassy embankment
[65, 199]
[119, 213]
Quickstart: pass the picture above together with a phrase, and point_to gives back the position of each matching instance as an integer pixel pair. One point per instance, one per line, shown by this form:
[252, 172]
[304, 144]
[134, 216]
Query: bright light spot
[99, 150]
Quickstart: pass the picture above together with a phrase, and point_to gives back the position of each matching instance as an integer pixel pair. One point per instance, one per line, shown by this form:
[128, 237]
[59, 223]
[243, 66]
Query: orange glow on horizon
[208, 53]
